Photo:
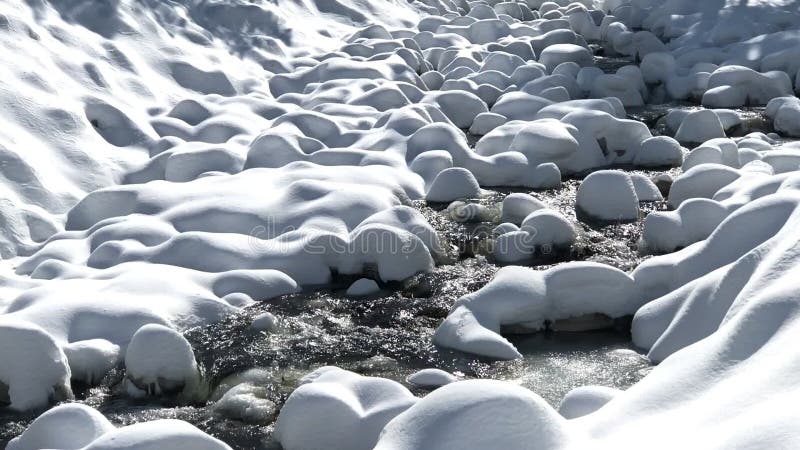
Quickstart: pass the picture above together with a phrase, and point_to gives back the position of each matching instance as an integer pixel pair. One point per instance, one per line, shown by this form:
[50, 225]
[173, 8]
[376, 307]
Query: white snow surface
[164, 164]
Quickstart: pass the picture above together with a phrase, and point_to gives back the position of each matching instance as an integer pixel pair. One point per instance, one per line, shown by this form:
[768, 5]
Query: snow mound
[246, 402]
[90, 360]
[334, 408]
[527, 300]
[37, 372]
[785, 115]
[517, 206]
[585, 400]
[70, 426]
[608, 195]
[156, 435]
[160, 361]
[510, 417]
[431, 378]
[363, 287]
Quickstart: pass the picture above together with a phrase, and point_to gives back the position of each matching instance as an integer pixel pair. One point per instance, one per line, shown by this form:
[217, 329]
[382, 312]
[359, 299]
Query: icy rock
[527, 299]
[70, 426]
[265, 322]
[463, 212]
[700, 126]
[453, 184]
[159, 360]
[517, 206]
[363, 287]
[659, 151]
[556, 54]
[431, 378]
[334, 408]
[608, 195]
[246, 402]
[585, 400]
[510, 417]
[785, 115]
[36, 371]
[90, 360]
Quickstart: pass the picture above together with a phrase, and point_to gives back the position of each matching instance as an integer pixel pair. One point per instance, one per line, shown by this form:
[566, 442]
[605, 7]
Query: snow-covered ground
[187, 186]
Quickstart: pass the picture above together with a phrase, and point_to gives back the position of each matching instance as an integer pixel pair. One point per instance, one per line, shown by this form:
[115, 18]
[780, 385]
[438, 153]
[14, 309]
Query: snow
[91, 359]
[70, 426]
[39, 372]
[431, 378]
[517, 206]
[528, 299]
[608, 195]
[700, 126]
[785, 115]
[246, 150]
[246, 402]
[334, 408]
[477, 414]
[585, 400]
[158, 434]
[363, 287]
[159, 361]
[452, 184]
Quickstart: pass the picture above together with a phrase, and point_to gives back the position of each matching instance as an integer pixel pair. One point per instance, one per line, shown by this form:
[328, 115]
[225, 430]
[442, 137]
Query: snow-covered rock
[585, 400]
[90, 360]
[453, 184]
[431, 378]
[785, 115]
[659, 151]
[362, 287]
[608, 195]
[71, 426]
[700, 126]
[527, 299]
[334, 408]
[160, 361]
[509, 417]
[517, 206]
[36, 370]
